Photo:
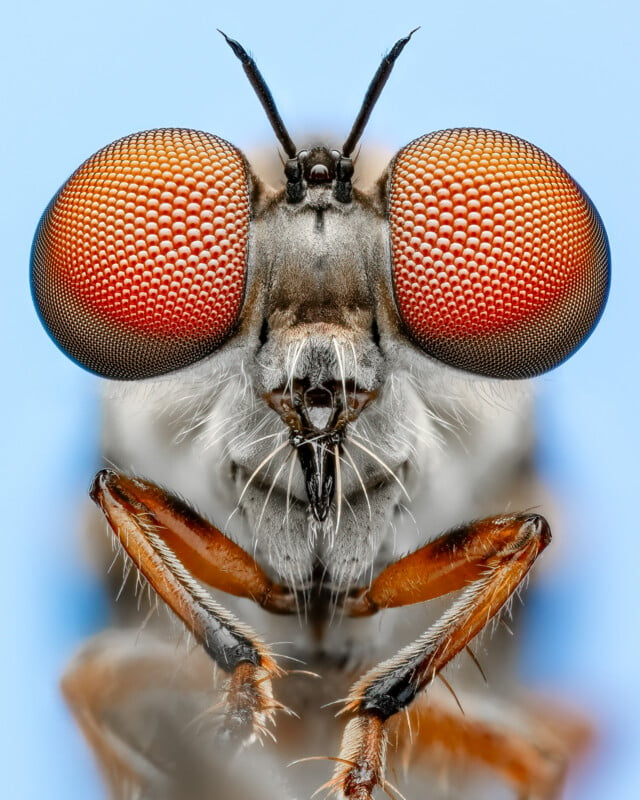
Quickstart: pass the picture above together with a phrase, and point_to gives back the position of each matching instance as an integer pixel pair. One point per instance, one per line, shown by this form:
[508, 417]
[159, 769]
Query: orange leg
[105, 688]
[526, 750]
[488, 560]
[173, 548]
[171, 545]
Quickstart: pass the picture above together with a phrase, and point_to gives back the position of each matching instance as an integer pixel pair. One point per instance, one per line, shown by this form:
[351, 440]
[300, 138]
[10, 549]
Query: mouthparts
[318, 448]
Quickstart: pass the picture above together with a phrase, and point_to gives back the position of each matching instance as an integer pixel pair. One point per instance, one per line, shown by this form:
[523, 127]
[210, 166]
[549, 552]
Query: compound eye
[500, 261]
[139, 262]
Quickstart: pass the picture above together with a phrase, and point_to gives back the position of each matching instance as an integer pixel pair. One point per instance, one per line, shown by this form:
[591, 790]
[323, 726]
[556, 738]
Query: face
[475, 251]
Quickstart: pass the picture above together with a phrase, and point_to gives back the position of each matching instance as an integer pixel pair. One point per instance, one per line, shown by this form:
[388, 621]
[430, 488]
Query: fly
[312, 368]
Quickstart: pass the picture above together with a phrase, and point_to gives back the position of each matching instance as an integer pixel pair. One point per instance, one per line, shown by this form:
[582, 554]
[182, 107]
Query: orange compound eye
[139, 262]
[500, 261]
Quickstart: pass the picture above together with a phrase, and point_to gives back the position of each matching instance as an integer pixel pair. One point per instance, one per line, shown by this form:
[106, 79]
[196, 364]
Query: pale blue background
[79, 74]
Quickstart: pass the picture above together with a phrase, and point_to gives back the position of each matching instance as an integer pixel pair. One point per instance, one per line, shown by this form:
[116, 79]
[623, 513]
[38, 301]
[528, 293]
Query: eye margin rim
[128, 374]
[515, 374]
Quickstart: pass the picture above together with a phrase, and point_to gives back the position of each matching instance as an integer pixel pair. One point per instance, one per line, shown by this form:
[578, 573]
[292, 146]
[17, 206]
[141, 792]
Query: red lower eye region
[139, 262]
[500, 261]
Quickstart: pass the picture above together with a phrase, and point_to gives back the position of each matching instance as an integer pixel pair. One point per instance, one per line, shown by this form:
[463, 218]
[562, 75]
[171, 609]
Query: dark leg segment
[170, 545]
[487, 560]
[174, 548]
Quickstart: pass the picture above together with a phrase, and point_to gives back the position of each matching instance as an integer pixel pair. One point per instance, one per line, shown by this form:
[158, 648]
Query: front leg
[487, 560]
[173, 548]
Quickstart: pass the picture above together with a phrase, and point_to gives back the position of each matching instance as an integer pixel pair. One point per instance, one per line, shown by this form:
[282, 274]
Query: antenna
[264, 95]
[373, 93]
